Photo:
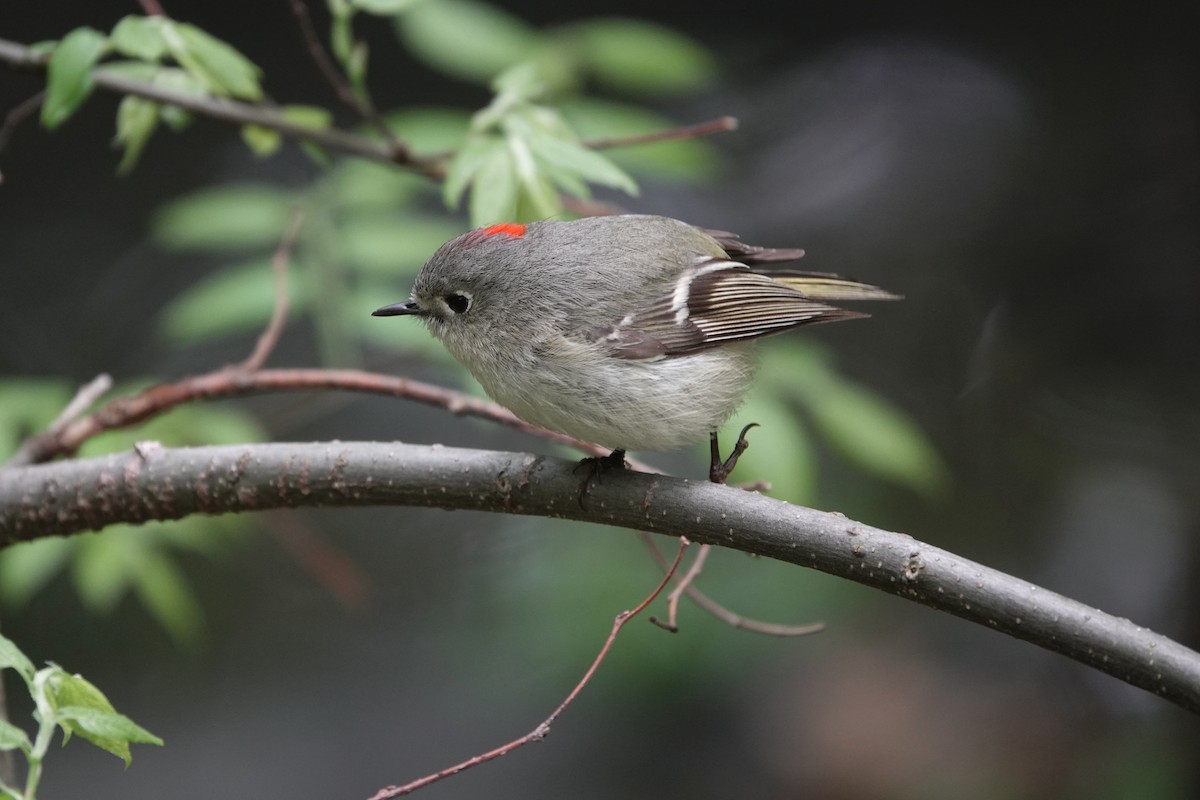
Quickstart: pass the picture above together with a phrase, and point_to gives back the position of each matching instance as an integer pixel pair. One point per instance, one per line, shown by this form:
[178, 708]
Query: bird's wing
[720, 301]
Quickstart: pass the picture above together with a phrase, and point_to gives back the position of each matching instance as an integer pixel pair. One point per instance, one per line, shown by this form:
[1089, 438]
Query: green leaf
[13, 738]
[392, 246]
[223, 218]
[362, 186]
[341, 35]
[877, 436]
[313, 117]
[222, 69]
[103, 567]
[863, 428]
[83, 709]
[27, 567]
[175, 118]
[235, 300]
[465, 39]
[430, 130]
[466, 163]
[316, 118]
[384, 8]
[780, 450]
[94, 724]
[537, 198]
[567, 180]
[262, 141]
[571, 156]
[139, 37]
[69, 74]
[11, 657]
[163, 591]
[316, 153]
[137, 118]
[683, 160]
[523, 81]
[356, 67]
[494, 189]
[177, 80]
[125, 559]
[641, 57]
[66, 689]
[134, 70]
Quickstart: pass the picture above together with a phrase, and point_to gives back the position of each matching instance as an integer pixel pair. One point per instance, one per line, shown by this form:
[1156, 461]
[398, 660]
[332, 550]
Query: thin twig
[319, 55]
[699, 129]
[87, 394]
[152, 8]
[540, 732]
[279, 265]
[732, 618]
[18, 114]
[713, 126]
[334, 77]
[125, 412]
[681, 586]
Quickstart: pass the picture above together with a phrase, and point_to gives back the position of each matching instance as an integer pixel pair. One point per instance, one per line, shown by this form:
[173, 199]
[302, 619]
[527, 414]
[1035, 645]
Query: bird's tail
[824, 286]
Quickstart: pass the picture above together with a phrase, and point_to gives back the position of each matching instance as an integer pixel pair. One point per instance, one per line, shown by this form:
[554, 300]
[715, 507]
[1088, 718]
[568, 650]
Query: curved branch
[152, 482]
[233, 381]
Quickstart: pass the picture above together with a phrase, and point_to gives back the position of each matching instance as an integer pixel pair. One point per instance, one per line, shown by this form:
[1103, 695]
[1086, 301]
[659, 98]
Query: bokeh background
[1026, 174]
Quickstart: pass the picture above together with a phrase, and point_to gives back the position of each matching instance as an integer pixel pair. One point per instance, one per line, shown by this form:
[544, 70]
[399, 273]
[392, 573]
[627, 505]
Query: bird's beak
[398, 309]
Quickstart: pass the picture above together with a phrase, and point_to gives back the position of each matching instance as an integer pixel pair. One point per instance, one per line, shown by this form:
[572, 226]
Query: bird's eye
[458, 303]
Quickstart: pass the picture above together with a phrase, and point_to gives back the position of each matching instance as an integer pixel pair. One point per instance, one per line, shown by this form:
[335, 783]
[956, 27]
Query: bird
[628, 331]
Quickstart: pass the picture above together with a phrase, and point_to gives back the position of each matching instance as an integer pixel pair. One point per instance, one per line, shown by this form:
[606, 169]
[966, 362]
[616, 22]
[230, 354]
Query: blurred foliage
[569, 605]
[127, 560]
[368, 227]
[798, 376]
[515, 157]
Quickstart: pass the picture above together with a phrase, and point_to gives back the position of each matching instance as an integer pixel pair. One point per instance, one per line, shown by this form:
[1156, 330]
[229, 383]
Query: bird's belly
[631, 405]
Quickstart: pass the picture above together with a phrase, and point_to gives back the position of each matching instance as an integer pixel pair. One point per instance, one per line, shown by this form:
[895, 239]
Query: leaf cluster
[66, 702]
[157, 50]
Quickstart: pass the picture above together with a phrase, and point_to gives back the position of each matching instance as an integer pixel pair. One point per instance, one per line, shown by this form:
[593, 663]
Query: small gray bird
[633, 332]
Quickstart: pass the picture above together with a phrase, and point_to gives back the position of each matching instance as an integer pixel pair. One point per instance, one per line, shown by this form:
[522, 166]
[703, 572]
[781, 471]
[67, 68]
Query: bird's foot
[596, 466]
[718, 470]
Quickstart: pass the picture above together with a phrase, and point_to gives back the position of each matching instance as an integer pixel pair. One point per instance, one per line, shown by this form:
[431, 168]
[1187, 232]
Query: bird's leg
[594, 467]
[718, 470]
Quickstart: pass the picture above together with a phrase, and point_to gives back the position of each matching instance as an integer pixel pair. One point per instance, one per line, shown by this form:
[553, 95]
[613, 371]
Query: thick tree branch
[152, 482]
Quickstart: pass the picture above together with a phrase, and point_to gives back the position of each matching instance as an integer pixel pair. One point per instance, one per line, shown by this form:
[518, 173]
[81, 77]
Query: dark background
[1025, 174]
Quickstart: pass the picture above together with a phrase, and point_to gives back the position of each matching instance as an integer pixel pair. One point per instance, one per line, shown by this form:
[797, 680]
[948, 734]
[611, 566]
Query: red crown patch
[511, 229]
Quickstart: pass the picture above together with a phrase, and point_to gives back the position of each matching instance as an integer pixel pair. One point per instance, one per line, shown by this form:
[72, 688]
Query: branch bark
[152, 482]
